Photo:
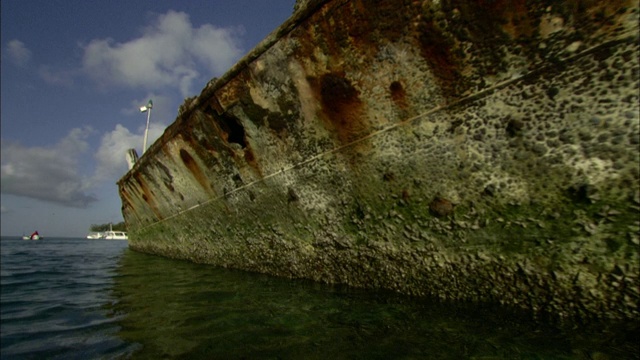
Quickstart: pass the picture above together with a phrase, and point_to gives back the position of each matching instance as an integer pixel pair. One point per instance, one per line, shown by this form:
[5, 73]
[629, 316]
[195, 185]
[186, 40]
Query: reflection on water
[175, 309]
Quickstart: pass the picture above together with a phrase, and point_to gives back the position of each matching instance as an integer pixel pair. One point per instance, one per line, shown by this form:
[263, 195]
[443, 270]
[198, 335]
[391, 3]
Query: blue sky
[74, 75]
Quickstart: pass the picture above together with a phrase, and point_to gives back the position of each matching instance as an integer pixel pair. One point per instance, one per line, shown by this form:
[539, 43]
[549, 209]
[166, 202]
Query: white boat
[115, 235]
[95, 235]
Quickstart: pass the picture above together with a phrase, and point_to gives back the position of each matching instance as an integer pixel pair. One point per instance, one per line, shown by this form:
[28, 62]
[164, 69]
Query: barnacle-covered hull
[472, 151]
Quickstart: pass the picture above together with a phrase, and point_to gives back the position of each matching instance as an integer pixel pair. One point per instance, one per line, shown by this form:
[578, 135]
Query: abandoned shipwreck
[462, 150]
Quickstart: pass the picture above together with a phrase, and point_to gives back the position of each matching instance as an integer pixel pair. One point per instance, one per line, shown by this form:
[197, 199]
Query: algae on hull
[457, 152]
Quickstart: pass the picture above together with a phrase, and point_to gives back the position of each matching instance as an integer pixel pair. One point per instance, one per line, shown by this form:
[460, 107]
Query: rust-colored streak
[148, 196]
[398, 94]
[342, 107]
[513, 16]
[454, 37]
[377, 18]
[337, 93]
[486, 20]
[128, 209]
[208, 134]
[437, 50]
[592, 15]
[127, 201]
[200, 133]
[214, 104]
[250, 158]
[229, 94]
[195, 170]
[343, 26]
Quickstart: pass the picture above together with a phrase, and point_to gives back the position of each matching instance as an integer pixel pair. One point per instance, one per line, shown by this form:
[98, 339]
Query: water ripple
[55, 295]
[73, 299]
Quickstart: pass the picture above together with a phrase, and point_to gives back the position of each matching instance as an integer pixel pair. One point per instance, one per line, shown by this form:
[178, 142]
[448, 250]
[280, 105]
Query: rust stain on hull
[341, 106]
[194, 169]
[148, 196]
[393, 144]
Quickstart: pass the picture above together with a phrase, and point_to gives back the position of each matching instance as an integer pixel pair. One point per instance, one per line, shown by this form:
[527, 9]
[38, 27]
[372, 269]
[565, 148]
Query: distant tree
[105, 227]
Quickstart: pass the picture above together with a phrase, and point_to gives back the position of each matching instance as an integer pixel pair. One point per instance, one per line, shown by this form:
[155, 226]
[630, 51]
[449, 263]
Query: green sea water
[97, 299]
[178, 309]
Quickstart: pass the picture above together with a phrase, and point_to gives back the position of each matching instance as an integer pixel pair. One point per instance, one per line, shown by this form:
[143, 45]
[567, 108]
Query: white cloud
[48, 174]
[111, 155]
[54, 77]
[18, 52]
[170, 53]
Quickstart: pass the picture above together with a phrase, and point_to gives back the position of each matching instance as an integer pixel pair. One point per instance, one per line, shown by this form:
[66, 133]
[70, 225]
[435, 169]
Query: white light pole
[146, 108]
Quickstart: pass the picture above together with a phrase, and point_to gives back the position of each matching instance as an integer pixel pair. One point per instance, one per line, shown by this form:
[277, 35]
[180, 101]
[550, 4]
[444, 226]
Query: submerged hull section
[482, 151]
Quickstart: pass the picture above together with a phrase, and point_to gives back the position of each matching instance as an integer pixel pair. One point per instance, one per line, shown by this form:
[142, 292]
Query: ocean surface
[96, 299]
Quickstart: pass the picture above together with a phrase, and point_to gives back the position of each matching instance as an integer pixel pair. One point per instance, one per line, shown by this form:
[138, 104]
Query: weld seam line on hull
[475, 96]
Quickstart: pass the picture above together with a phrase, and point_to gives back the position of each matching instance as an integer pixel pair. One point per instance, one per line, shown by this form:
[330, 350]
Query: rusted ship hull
[473, 150]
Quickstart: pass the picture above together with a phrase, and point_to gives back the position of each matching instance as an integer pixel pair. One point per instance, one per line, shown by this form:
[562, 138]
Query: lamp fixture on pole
[147, 109]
